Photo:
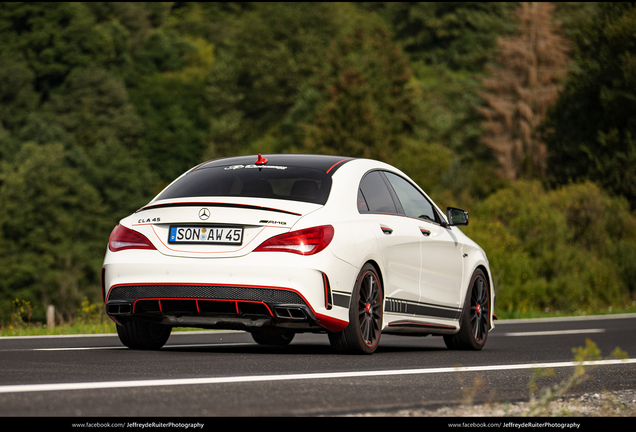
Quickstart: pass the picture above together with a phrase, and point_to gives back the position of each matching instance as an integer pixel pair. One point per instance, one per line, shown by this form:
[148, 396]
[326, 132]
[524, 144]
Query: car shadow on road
[293, 349]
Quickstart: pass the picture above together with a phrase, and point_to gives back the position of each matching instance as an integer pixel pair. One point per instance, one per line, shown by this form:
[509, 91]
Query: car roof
[326, 163]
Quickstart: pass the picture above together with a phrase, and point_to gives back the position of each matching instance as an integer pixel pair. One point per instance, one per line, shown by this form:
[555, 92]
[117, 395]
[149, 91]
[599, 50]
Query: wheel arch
[491, 289]
[376, 266]
[486, 273]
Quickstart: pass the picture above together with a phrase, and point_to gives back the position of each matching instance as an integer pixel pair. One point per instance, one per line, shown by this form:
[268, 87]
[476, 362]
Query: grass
[557, 314]
[91, 319]
[551, 399]
[38, 329]
[72, 329]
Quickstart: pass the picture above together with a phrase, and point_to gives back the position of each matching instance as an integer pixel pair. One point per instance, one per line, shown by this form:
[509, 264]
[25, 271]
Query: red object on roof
[261, 160]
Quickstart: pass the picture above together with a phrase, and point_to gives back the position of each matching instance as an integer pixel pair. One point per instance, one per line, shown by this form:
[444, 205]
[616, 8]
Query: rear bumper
[262, 289]
[211, 306]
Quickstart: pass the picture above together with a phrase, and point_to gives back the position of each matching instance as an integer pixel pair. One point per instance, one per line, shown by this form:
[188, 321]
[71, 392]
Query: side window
[375, 195]
[414, 203]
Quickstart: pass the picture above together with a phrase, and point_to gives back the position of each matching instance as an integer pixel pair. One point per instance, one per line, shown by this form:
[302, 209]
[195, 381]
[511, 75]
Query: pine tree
[367, 106]
[592, 126]
[525, 81]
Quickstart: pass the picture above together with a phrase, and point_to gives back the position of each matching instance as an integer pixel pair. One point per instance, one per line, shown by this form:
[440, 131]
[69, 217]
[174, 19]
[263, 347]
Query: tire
[143, 335]
[475, 320]
[272, 337]
[362, 335]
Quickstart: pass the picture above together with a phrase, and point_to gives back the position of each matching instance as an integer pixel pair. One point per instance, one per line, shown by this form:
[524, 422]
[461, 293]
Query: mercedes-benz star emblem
[204, 214]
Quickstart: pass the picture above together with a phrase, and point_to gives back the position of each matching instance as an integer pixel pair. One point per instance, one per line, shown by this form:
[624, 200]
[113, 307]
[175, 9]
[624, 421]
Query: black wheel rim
[479, 309]
[370, 308]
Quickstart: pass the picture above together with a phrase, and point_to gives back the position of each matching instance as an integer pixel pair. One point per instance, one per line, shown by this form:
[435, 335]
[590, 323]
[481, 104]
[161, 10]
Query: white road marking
[123, 347]
[69, 336]
[260, 378]
[566, 319]
[78, 348]
[555, 332]
[174, 333]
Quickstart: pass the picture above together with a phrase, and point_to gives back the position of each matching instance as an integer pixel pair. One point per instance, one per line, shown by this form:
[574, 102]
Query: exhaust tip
[119, 308]
[294, 313]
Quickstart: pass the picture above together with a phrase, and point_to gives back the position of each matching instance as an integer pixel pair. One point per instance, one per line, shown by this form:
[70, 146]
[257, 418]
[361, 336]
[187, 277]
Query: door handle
[425, 232]
[386, 230]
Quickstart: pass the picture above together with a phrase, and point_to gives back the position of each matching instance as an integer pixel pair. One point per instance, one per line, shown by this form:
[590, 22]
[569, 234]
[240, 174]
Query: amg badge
[272, 222]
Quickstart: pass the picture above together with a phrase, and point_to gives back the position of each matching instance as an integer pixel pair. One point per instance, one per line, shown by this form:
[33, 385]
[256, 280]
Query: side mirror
[456, 216]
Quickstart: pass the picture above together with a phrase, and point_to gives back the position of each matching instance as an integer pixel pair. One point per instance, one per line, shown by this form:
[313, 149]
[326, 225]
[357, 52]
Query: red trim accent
[199, 166]
[333, 324]
[197, 300]
[115, 320]
[337, 163]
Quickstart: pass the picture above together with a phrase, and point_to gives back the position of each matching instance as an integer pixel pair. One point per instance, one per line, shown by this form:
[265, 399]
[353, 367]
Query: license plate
[206, 235]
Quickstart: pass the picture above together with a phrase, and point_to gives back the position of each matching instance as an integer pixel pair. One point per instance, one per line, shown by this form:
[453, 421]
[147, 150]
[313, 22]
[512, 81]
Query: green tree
[90, 113]
[458, 35]
[565, 249]
[262, 67]
[52, 230]
[446, 101]
[71, 165]
[367, 104]
[448, 45]
[17, 93]
[169, 100]
[64, 83]
[591, 130]
[53, 39]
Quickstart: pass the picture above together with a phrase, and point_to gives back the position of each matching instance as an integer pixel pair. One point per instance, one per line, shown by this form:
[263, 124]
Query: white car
[281, 244]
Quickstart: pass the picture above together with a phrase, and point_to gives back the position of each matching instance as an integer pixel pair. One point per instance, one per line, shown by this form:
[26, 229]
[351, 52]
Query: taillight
[303, 242]
[123, 238]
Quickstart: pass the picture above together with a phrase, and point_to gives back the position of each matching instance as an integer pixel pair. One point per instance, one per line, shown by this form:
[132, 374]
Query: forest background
[522, 113]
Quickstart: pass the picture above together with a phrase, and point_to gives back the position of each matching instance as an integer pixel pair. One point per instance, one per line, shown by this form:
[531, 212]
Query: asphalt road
[226, 374]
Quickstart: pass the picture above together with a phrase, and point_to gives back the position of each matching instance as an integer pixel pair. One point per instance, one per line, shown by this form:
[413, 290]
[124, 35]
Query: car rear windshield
[288, 183]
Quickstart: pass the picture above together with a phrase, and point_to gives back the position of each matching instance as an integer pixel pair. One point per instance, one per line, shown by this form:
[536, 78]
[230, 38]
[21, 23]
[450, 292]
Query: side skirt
[416, 328]
[414, 318]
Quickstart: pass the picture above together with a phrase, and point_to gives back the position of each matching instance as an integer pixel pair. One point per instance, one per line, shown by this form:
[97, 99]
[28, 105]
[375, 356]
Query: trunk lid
[218, 227]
